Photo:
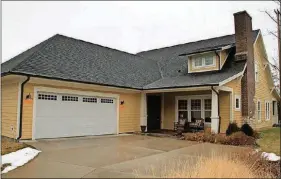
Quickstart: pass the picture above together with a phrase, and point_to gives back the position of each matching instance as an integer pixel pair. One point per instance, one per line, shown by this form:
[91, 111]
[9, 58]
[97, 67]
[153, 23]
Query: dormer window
[204, 61]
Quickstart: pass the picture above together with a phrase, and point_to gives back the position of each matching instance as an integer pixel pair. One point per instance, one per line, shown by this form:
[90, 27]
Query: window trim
[239, 100]
[203, 57]
[274, 108]
[256, 72]
[259, 110]
[189, 98]
[267, 113]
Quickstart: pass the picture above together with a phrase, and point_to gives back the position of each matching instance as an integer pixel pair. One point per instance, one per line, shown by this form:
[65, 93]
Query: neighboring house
[67, 87]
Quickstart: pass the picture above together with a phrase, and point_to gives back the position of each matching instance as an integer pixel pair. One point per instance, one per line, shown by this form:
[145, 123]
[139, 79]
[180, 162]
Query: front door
[153, 112]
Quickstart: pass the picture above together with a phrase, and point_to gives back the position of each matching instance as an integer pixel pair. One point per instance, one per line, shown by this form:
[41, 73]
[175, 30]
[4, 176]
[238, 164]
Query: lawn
[270, 140]
[9, 145]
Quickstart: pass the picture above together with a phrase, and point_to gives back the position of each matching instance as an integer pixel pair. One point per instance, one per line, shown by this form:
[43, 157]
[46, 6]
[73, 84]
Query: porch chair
[199, 124]
[180, 126]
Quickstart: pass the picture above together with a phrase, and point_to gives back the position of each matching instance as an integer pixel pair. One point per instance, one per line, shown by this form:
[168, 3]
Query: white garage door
[65, 115]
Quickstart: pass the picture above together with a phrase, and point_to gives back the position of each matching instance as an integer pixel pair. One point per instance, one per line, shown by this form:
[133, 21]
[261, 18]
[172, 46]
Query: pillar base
[215, 125]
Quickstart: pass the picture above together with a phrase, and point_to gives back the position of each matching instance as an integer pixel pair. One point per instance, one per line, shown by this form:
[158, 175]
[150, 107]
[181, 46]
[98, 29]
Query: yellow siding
[129, 115]
[202, 69]
[224, 101]
[223, 56]
[9, 106]
[236, 86]
[263, 85]
[262, 89]
[169, 106]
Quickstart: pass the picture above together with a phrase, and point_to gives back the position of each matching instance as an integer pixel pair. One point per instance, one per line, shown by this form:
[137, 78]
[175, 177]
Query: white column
[215, 113]
[143, 110]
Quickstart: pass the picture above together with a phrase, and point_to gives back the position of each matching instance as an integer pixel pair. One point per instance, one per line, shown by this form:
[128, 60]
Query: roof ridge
[39, 46]
[190, 42]
[84, 41]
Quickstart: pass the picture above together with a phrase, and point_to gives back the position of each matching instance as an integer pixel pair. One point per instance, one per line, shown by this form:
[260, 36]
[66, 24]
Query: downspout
[21, 107]
[212, 87]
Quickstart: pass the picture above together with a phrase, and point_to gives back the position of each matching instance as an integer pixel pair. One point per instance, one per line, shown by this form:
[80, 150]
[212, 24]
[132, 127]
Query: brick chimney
[245, 51]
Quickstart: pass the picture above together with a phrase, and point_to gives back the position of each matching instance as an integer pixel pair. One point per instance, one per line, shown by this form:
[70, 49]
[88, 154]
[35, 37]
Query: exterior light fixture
[28, 97]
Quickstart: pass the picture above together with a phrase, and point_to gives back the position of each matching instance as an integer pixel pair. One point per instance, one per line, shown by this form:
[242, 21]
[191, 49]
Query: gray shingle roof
[170, 61]
[230, 69]
[66, 58]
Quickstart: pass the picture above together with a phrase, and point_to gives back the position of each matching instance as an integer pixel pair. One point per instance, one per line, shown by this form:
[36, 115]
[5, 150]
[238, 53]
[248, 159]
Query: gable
[265, 82]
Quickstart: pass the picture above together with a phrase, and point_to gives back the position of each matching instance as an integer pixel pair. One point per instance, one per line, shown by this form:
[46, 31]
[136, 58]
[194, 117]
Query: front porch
[163, 109]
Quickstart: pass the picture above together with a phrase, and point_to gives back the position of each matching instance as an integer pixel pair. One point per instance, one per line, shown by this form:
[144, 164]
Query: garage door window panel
[104, 100]
[47, 97]
[90, 100]
[69, 98]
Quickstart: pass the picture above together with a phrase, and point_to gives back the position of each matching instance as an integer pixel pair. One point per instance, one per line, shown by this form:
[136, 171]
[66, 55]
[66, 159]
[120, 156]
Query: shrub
[256, 135]
[232, 128]
[194, 136]
[238, 138]
[247, 129]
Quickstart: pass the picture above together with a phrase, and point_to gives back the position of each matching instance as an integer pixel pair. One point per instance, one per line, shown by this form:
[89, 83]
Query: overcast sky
[128, 26]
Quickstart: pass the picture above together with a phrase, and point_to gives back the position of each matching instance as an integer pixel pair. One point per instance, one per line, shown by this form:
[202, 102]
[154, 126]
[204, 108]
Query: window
[256, 72]
[208, 109]
[182, 109]
[198, 62]
[204, 61]
[209, 60]
[195, 109]
[267, 110]
[47, 97]
[90, 100]
[259, 110]
[274, 106]
[237, 102]
[104, 100]
[69, 98]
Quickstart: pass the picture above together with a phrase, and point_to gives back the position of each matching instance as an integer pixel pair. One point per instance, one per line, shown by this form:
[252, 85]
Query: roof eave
[70, 80]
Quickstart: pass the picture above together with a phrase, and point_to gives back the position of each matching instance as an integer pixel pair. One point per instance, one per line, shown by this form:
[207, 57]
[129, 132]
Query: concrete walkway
[112, 157]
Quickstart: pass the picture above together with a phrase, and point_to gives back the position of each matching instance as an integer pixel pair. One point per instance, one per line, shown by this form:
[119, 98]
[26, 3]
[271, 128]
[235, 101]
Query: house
[66, 87]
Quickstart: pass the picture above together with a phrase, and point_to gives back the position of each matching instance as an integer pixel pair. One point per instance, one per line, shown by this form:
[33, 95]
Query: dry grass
[226, 166]
[10, 145]
[220, 167]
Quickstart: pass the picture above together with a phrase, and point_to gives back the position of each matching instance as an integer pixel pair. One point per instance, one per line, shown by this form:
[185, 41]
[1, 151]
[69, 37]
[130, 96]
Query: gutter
[21, 107]
[212, 87]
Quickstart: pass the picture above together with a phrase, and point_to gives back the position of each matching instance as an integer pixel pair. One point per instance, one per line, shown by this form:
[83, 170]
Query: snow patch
[18, 158]
[270, 156]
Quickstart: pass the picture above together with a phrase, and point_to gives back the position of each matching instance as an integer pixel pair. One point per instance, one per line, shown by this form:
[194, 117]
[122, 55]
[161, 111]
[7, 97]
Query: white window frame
[203, 57]
[239, 100]
[256, 72]
[189, 98]
[258, 110]
[267, 110]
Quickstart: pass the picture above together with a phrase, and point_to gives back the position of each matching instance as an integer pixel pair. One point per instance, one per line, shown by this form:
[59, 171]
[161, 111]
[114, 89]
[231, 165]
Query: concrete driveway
[112, 157]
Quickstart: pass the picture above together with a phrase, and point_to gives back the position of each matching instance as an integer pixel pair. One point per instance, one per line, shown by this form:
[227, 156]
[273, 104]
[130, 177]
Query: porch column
[143, 110]
[215, 113]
